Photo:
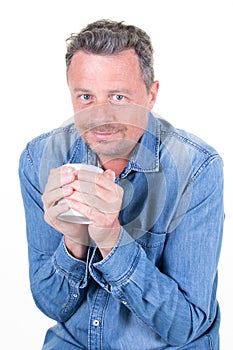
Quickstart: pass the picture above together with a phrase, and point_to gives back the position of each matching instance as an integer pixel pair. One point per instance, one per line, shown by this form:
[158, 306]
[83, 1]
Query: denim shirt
[157, 287]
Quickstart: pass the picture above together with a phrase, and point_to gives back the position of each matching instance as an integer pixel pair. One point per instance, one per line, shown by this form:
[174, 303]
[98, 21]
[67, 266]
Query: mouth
[106, 132]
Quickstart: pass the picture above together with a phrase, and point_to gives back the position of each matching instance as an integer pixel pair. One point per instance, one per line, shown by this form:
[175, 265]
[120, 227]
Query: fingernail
[110, 173]
[66, 169]
[67, 191]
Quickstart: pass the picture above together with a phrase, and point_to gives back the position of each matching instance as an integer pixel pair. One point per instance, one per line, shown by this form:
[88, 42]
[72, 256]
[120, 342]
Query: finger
[59, 177]
[49, 199]
[104, 180]
[112, 193]
[106, 205]
[51, 213]
[76, 232]
[96, 216]
[110, 174]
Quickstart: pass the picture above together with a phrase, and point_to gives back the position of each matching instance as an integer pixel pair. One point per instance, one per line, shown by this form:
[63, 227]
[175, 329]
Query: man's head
[110, 77]
[105, 37]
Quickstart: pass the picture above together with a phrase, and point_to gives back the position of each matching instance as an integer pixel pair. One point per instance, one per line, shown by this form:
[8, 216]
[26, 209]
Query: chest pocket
[153, 244]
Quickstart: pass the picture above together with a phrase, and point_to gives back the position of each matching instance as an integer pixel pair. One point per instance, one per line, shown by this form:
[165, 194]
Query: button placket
[96, 320]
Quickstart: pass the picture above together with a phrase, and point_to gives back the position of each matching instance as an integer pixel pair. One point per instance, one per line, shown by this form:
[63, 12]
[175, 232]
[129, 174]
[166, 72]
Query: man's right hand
[57, 188]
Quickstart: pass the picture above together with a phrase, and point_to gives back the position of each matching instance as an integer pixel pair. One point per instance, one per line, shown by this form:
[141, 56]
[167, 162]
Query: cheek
[77, 106]
[134, 133]
[88, 139]
[79, 126]
[82, 118]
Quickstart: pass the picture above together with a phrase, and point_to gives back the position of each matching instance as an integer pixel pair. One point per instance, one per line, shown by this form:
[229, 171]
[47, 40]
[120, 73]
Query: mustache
[108, 127]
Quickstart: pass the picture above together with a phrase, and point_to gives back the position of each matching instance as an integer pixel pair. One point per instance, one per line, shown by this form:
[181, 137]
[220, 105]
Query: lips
[106, 132]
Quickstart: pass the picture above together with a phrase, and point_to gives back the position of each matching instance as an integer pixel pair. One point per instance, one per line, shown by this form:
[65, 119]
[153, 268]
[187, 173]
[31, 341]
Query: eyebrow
[112, 91]
[121, 90]
[79, 89]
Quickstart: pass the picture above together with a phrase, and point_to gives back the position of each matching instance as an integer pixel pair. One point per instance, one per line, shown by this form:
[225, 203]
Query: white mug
[72, 215]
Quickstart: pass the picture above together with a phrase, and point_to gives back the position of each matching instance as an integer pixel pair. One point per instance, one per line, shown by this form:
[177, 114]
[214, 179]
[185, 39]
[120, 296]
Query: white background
[193, 62]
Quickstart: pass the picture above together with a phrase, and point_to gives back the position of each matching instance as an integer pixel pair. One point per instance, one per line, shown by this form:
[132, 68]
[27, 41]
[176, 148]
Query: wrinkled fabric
[157, 287]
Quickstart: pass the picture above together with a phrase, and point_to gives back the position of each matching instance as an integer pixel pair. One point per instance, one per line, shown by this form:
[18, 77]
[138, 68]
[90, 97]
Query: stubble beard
[112, 149]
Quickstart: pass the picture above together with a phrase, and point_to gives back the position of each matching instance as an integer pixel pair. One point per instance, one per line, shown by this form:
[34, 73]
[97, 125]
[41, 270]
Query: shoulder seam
[69, 129]
[205, 164]
[187, 141]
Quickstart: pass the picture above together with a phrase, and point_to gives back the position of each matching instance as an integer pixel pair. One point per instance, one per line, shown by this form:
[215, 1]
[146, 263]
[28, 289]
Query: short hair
[106, 37]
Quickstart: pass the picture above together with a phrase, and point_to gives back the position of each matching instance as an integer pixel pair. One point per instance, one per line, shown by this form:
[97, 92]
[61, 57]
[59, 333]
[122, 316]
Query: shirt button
[124, 302]
[96, 323]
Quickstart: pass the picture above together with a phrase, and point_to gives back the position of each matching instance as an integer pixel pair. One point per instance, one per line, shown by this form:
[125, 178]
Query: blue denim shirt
[157, 287]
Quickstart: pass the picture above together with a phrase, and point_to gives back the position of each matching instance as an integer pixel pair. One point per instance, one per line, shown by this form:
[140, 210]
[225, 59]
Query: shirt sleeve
[177, 299]
[57, 279]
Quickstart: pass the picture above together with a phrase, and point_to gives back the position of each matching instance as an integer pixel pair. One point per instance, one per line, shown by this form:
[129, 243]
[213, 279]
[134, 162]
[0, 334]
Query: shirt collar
[145, 157]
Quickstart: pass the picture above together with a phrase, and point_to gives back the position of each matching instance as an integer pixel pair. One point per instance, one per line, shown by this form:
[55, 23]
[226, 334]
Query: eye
[118, 98]
[85, 97]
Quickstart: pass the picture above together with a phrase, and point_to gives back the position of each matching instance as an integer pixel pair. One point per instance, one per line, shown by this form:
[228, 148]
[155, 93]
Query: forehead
[88, 65]
[123, 56]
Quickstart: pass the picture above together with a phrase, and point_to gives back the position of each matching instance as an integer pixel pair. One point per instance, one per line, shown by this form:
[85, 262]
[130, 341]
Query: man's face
[110, 101]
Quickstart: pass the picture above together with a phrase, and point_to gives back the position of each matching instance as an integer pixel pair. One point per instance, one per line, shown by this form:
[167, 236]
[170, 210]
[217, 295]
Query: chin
[112, 149]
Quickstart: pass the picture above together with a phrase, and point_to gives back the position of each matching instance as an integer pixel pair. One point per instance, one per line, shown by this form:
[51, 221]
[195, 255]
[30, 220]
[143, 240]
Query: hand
[98, 198]
[56, 189]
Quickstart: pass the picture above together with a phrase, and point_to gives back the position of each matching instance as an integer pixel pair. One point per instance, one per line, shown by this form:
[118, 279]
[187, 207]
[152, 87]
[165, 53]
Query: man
[143, 273]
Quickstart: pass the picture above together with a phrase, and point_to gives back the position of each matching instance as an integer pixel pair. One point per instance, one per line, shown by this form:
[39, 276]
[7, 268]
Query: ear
[153, 94]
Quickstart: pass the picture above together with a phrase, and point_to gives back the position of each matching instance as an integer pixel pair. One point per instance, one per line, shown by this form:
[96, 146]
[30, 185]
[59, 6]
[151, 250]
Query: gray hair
[106, 37]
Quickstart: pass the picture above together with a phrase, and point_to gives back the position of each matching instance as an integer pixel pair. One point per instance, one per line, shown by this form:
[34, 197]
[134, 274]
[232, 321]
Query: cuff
[75, 268]
[119, 264]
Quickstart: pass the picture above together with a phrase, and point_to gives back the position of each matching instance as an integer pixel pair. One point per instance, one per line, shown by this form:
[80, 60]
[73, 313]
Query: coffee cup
[73, 215]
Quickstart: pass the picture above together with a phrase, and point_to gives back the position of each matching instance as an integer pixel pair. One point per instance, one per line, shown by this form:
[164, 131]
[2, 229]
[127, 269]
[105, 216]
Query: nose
[103, 113]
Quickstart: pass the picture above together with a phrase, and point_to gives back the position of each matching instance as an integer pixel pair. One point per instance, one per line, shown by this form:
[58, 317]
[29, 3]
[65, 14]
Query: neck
[117, 165]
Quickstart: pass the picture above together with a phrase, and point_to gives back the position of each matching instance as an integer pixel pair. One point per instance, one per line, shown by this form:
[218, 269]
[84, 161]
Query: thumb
[110, 174]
